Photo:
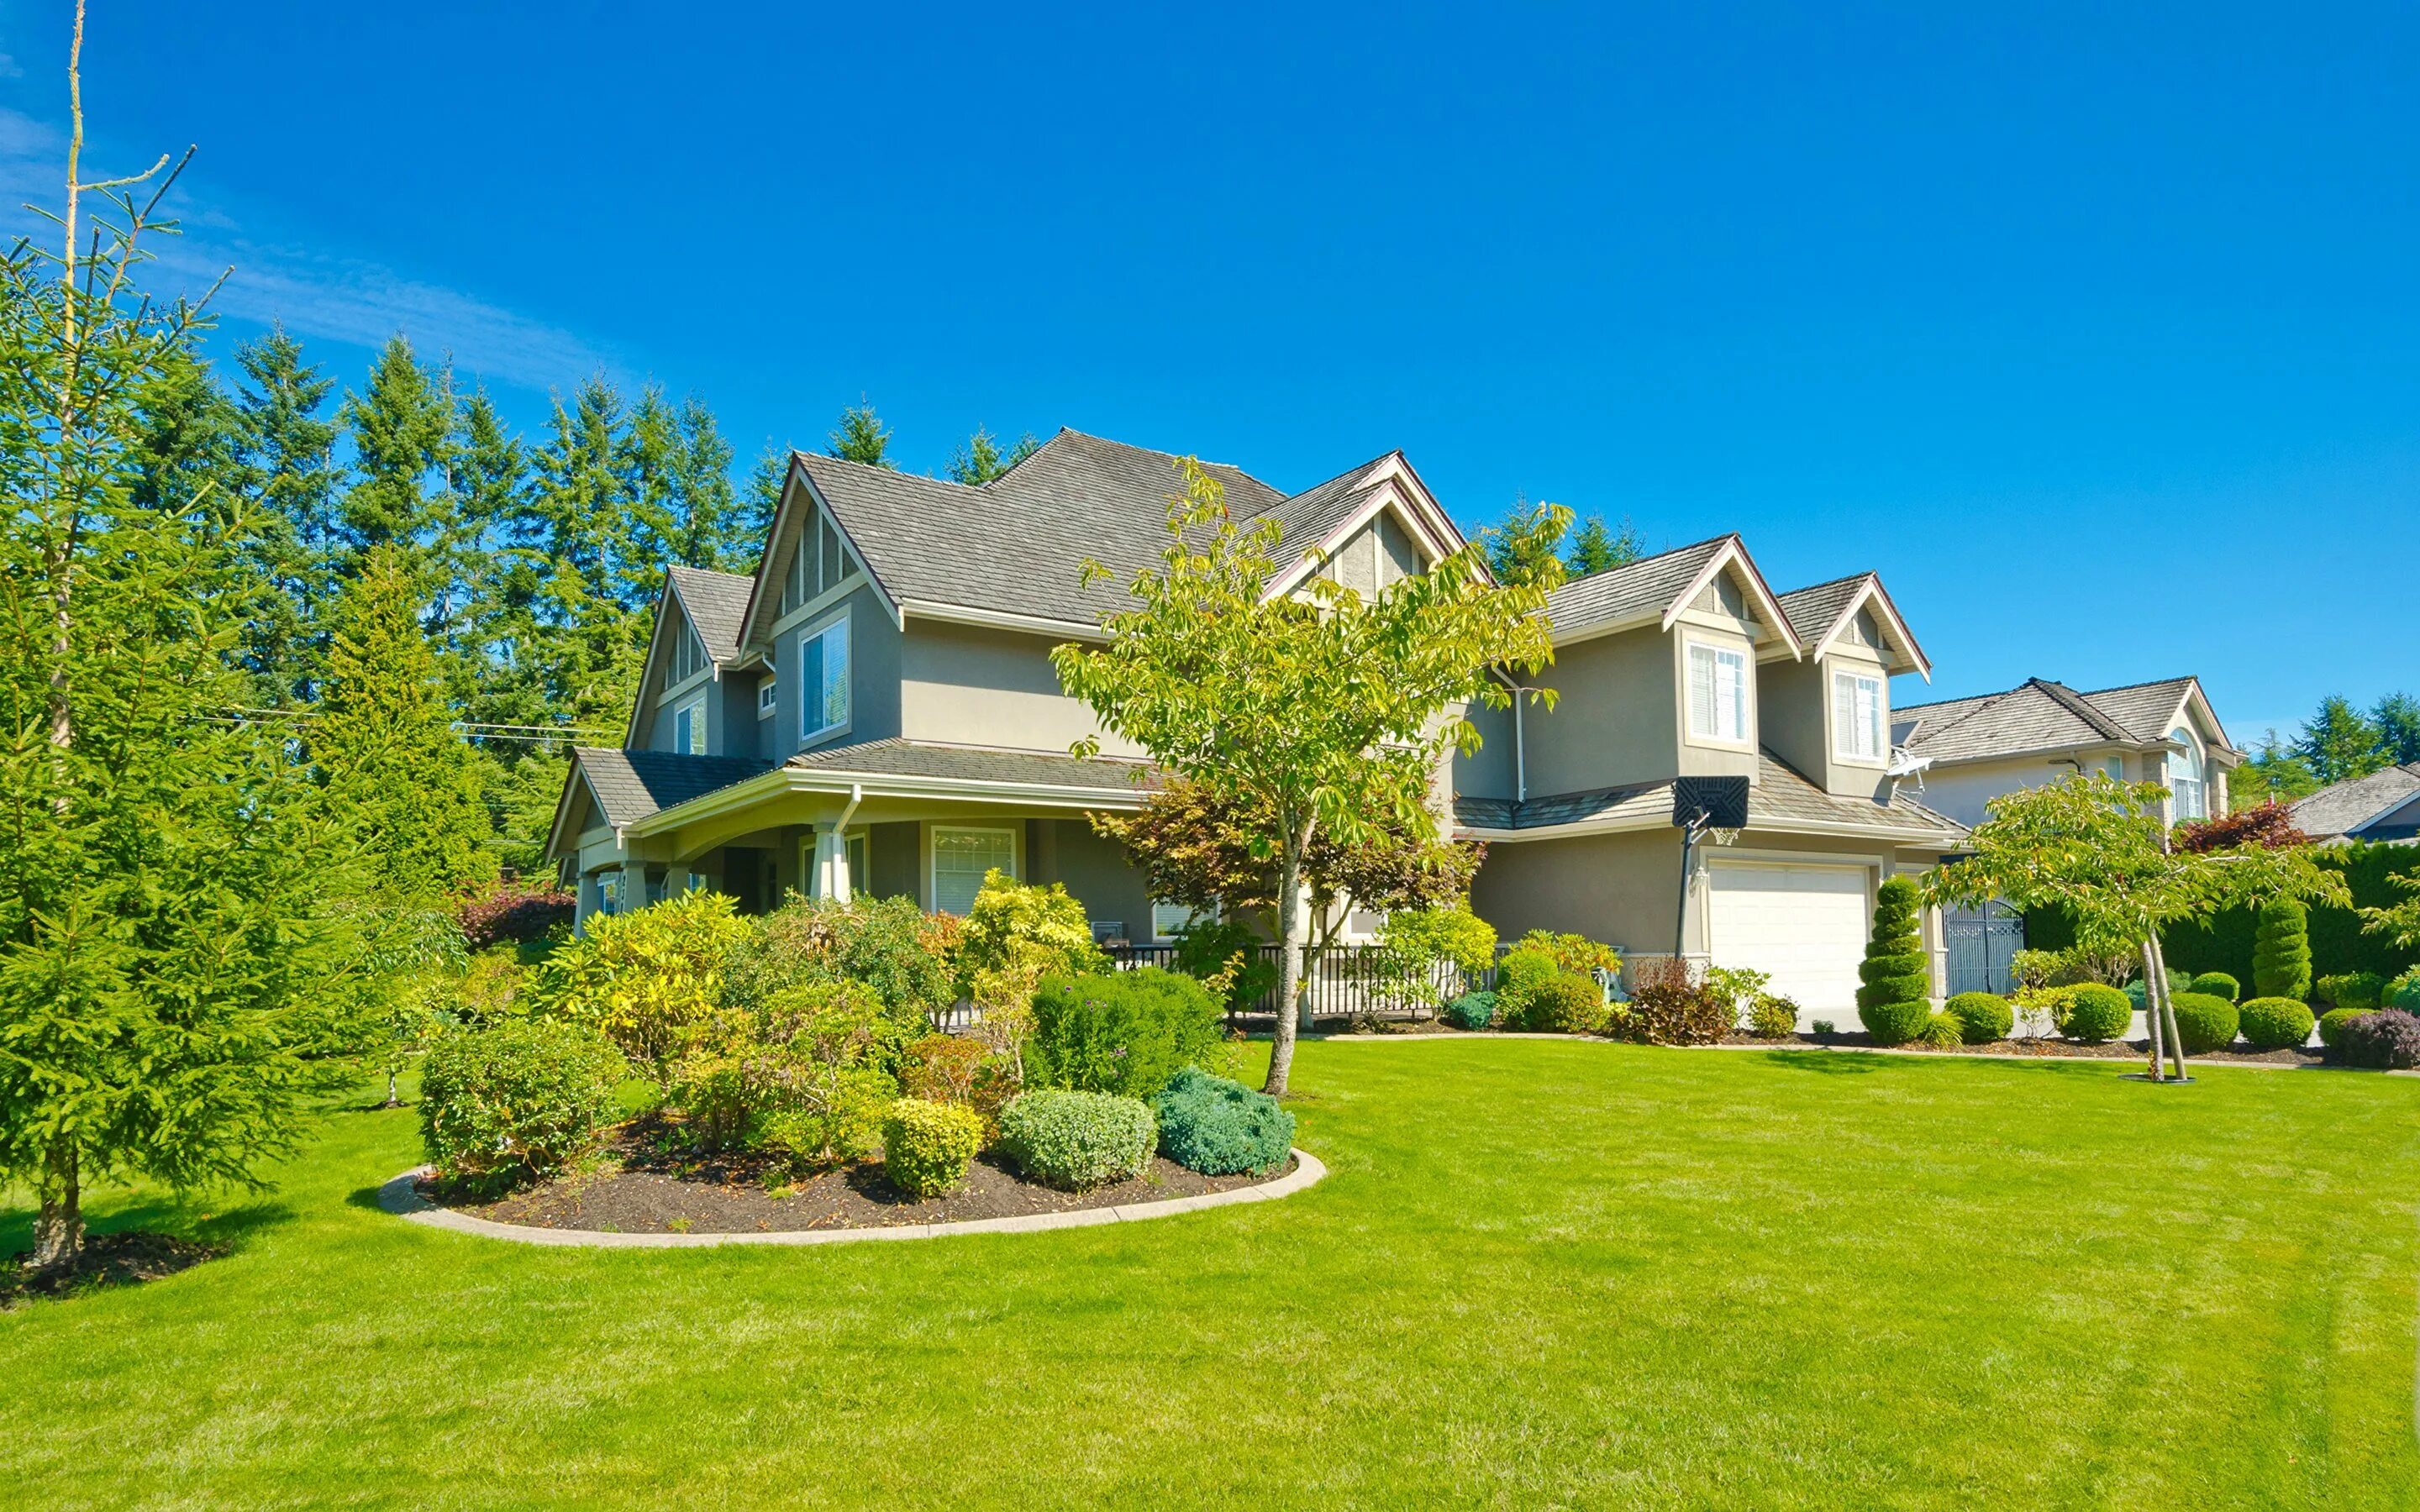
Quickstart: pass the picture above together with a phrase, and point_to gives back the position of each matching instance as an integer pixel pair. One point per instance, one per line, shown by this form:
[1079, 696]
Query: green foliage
[1471, 1011]
[1566, 1003]
[1983, 1017]
[2402, 993]
[1773, 1017]
[1225, 956]
[2205, 1022]
[1894, 1000]
[648, 980]
[2351, 989]
[2339, 742]
[503, 1106]
[1594, 548]
[926, 1146]
[2281, 949]
[1526, 549]
[861, 437]
[2276, 1022]
[2216, 984]
[1670, 1007]
[1737, 986]
[1520, 977]
[1573, 952]
[888, 944]
[807, 1074]
[1015, 933]
[980, 460]
[2095, 1013]
[1076, 1140]
[1942, 1031]
[2397, 719]
[1125, 1032]
[948, 1068]
[1219, 1127]
[1451, 933]
[2332, 1021]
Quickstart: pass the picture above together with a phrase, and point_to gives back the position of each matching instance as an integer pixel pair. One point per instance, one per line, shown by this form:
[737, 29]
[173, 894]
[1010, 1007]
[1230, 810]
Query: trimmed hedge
[2281, 949]
[2351, 989]
[1123, 1032]
[926, 1146]
[1983, 1017]
[2094, 1013]
[2403, 992]
[2205, 1022]
[1217, 1127]
[2216, 984]
[1078, 1139]
[503, 1106]
[1566, 1003]
[2332, 1021]
[2276, 1022]
[1471, 1011]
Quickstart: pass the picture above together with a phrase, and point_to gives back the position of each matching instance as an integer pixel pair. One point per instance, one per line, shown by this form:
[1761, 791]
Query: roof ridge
[1172, 456]
[1829, 582]
[671, 567]
[1640, 561]
[1982, 702]
[890, 472]
[2082, 707]
[2128, 687]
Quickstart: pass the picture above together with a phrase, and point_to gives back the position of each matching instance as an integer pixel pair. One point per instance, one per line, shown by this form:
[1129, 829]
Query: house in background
[2383, 806]
[1686, 664]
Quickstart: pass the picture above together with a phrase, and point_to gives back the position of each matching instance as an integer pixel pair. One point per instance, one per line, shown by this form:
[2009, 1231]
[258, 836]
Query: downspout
[1520, 752]
[840, 840]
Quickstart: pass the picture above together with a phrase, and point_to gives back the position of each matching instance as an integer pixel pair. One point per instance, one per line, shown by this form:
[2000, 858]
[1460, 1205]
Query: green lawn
[1539, 1274]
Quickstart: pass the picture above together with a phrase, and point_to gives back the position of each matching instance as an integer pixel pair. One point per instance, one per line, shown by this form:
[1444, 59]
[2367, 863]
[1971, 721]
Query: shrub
[1523, 971]
[926, 1146]
[2351, 989]
[2093, 1012]
[514, 916]
[2281, 949]
[1225, 956]
[1471, 1011]
[2332, 1021]
[517, 1102]
[647, 980]
[1078, 1139]
[1738, 986]
[805, 1076]
[1983, 1017]
[1217, 1127]
[2384, 1041]
[1015, 933]
[1773, 1017]
[2402, 993]
[950, 1068]
[2267, 823]
[2276, 1022]
[1125, 1032]
[888, 944]
[1943, 1031]
[1414, 942]
[1894, 1000]
[2216, 984]
[1566, 1003]
[1671, 1006]
[1825, 1027]
[2205, 1022]
[1571, 952]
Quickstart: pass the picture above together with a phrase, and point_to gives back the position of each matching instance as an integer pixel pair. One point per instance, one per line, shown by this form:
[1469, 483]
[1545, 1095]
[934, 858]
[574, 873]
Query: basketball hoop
[1723, 837]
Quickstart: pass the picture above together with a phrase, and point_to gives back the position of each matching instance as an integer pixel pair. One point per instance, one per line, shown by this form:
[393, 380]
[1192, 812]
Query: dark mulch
[2044, 1049]
[645, 1189]
[108, 1260]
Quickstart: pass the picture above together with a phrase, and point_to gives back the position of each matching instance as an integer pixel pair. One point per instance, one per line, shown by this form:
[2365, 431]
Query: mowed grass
[1540, 1274]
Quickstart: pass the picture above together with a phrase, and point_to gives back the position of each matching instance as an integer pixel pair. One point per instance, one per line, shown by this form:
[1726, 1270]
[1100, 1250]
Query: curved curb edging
[399, 1196]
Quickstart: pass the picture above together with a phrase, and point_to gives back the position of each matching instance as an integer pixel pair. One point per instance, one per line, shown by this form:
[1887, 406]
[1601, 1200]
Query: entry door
[1804, 925]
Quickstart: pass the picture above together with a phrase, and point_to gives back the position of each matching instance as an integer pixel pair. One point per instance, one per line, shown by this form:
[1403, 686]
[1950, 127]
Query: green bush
[2093, 1012]
[1217, 1127]
[2276, 1022]
[1566, 1003]
[2402, 993]
[1571, 952]
[1523, 971]
[2281, 949]
[1125, 1032]
[2205, 1022]
[2332, 1021]
[888, 944]
[1894, 1000]
[1671, 1006]
[1773, 1016]
[517, 1102]
[1078, 1139]
[1226, 956]
[648, 980]
[1983, 1016]
[807, 1075]
[2351, 989]
[1942, 1031]
[2216, 984]
[926, 1146]
[1471, 1011]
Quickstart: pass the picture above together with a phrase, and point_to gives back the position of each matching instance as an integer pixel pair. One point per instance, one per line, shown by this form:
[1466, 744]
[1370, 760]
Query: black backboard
[1722, 800]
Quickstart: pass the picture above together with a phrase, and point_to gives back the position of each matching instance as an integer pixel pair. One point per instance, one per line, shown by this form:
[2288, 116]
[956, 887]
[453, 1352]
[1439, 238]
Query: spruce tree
[400, 424]
[980, 460]
[1896, 1000]
[2340, 742]
[861, 437]
[711, 530]
[2397, 719]
[2281, 949]
[1523, 549]
[284, 470]
[1594, 548]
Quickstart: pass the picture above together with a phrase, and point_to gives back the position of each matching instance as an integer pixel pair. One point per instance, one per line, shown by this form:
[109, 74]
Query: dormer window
[1857, 717]
[1717, 693]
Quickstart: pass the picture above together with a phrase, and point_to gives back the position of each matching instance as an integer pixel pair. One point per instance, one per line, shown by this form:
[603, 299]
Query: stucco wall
[1796, 713]
[874, 650]
[1614, 721]
[973, 686]
[1094, 869]
[1618, 889]
[1488, 772]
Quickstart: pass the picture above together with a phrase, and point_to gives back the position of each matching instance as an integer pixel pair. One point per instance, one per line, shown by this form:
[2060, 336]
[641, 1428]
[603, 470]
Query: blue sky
[2095, 335]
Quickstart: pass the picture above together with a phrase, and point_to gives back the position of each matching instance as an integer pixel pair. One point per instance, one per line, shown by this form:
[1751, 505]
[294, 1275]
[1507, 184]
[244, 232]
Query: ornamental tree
[2281, 949]
[1318, 711]
[2096, 848]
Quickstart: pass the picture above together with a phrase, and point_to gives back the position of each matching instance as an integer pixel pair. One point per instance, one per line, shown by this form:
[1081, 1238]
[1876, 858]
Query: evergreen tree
[713, 532]
[185, 434]
[1895, 1000]
[762, 494]
[2274, 772]
[2281, 949]
[2339, 742]
[980, 460]
[1525, 548]
[862, 437]
[284, 469]
[2397, 719]
[399, 425]
[1594, 548]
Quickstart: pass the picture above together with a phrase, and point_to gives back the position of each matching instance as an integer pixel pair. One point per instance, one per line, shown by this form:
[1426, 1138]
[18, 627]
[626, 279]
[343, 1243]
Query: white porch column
[828, 871]
[1936, 950]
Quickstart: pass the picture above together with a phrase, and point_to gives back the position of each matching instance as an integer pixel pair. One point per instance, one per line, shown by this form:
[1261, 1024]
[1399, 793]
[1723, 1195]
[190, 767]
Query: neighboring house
[1965, 752]
[1687, 664]
[874, 710]
[2383, 806]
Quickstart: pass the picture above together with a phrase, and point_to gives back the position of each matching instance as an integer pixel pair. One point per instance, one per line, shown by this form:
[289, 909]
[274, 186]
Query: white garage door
[1805, 925]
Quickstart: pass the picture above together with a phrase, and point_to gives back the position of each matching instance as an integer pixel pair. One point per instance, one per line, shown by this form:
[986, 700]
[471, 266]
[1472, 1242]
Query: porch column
[1936, 950]
[830, 875]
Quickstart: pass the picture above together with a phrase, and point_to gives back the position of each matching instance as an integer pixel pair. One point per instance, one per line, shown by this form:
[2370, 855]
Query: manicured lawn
[1540, 1273]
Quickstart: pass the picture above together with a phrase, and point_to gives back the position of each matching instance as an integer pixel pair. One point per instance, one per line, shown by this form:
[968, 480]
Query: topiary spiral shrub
[1471, 1011]
[1894, 1001]
[2332, 1021]
[2384, 1041]
[1217, 1127]
[2281, 949]
[2093, 1012]
[2205, 1022]
[517, 1103]
[1566, 1003]
[1983, 1016]
[2216, 984]
[926, 1146]
[2351, 989]
[1078, 1139]
[2276, 1022]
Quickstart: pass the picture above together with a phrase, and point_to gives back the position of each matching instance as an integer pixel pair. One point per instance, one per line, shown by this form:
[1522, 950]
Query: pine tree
[2397, 719]
[1523, 549]
[862, 437]
[1594, 548]
[2274, 772]
[2339, 742]
[2281, 949]
[399, 427]
[712, 530]
[1895, 1000]
[762, 493]
[980, 460]
[284, 469]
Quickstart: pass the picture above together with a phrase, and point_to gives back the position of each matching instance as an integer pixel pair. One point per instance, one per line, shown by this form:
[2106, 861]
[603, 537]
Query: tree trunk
[2151, 1006]
[392, 1101]
[2168, 1010]
[1293, 933]
[58, 1232]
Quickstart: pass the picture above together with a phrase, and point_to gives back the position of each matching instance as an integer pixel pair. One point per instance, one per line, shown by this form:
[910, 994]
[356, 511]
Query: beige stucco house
[1687, 664]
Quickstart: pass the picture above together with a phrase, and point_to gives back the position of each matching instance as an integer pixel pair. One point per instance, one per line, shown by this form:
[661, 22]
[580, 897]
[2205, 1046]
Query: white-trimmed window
[1857, 717]
[2186, 783]
[767, 694]
[823, 680]
[1717, 692]
[960, 859]
[1170, 919]
[688, 728]
[608, 892]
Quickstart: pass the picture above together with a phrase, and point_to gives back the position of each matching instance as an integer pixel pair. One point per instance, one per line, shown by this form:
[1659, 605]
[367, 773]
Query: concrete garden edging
[400, 1196]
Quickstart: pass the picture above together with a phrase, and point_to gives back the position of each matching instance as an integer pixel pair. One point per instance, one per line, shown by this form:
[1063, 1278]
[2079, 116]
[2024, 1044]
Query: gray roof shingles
[2039, 715]
[1814, 610]
[2344, 808]
[908, 758]
[1781, 793]
[717, 602]
[631, 784]
[1618, 593]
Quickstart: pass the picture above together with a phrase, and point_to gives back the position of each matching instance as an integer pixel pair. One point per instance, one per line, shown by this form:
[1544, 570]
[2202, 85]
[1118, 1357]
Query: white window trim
[702, 743]
[933, 833]
[1746, 654]
[2199, 754]
[1880, 729]
[768, 695]
[1153, 906]
[810, 736]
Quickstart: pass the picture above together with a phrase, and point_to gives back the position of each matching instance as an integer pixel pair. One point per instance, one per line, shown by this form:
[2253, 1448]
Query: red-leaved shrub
[2269, 824]
[514, 915]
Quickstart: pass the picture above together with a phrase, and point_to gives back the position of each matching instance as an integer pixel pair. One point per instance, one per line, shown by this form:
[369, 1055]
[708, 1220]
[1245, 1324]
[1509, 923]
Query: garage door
[1805, 925]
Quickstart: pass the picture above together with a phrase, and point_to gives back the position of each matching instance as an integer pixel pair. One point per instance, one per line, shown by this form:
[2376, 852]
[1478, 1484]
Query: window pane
[1701, 690]
[836, 675]
[1166, 919]
[960, 858]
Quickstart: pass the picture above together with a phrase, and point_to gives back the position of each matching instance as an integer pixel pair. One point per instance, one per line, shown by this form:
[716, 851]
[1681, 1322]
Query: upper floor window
[767, 694]
[688, 728]
[823, 680]
[2186, 782]
[688, 658]
[1857, 717]
[1717, 692]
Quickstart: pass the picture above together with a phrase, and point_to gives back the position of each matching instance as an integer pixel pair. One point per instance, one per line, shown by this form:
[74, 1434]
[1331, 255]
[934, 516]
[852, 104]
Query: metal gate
[1980, 943]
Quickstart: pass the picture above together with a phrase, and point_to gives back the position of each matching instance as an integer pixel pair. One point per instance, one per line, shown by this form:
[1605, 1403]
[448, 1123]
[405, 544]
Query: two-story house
[1687, 664]
[874, 708]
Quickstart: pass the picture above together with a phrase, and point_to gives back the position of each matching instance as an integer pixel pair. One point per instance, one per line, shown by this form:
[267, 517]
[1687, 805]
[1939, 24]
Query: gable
[810, 560]
[1374, 557]
[675, 655]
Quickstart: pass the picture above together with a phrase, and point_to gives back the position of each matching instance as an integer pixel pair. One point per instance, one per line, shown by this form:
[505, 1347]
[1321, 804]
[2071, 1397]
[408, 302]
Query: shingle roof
[631, 784]
[1309, 517]
[2343, 807]
[1634, 588]
[2142, 709]
[717, 602]
[2039, 715]
[1781, 794]
[1814, 610]
[905, 758]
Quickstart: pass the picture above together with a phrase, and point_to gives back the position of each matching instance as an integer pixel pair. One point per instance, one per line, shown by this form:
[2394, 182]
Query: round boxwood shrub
[1217, 1127]
[1895, 1000]
[1471, 1011]
[503, 1106]
[2351, 989]
[2216, 984]
[1773, 1016]
[1566, 1003]
[1983, 1017]
[2205, 1022]
[2276, 1022]
[926, 1146]
[2332, 1021]
[1078, 1139]
[2095, 1013]
[2386, 1040]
